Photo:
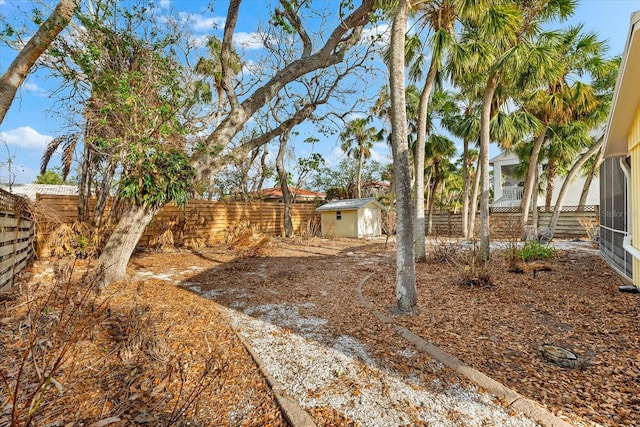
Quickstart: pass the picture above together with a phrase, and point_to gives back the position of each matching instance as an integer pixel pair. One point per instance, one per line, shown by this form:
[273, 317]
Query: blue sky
[31, 121]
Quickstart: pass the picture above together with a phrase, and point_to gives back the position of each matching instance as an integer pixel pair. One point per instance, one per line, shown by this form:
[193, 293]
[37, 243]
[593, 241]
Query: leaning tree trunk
[112, 264]
[532, 173]
[474, 202]
[286, 196]
[19, 68]
[567, 181]
[406, 294]
[551, 176]
[535, 213]
[432, 190]
[485, 140]
[589, 180]
[419, 233]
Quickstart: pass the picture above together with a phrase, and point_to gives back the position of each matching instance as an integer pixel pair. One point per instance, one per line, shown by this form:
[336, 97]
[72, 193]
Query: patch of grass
[535, 251]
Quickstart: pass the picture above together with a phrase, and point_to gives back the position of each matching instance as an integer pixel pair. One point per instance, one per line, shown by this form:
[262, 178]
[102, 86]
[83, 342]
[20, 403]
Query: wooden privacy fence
[506, 222]
[16, 237]
[200, 222]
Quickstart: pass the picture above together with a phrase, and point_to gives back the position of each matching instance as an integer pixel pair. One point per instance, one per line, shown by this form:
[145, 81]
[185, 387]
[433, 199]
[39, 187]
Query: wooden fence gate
[17, 233]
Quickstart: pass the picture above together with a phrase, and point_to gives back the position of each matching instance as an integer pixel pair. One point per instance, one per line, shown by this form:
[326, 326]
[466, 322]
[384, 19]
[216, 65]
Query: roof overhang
[626, 96]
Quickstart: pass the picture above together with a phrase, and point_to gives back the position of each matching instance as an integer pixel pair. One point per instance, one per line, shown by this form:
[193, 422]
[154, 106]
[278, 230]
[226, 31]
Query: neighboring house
[30, 190]
[375, 189]
[300, 195]
[351, 218]
[620, 171]
[507, 188]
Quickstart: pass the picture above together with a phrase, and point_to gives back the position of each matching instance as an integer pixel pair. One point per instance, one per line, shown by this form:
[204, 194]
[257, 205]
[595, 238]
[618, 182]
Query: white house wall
[571, 199]
[575, 191]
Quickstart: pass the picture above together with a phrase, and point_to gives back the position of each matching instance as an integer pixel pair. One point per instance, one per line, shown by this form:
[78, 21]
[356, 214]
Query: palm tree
[211, 68]
[357, 141]
[502, 43]
[439, 18]
[439, 152]
[562, 100]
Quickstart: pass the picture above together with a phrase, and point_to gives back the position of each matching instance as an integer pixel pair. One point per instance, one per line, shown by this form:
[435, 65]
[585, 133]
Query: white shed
[351, 218]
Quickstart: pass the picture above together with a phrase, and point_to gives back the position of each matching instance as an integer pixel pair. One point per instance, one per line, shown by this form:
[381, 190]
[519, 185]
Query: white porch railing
[511, 193]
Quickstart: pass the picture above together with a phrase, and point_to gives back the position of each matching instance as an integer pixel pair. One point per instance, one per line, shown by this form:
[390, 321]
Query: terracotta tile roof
[276, 192]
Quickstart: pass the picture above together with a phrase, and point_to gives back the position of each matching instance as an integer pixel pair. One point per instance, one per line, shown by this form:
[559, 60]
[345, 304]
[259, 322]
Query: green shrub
[534, 251]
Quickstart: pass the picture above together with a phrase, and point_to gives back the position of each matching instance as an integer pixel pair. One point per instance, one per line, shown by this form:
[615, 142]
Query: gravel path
[346, 378]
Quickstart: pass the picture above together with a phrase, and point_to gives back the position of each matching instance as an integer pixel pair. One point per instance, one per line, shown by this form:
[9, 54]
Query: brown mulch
[151, 344]
[140, 353]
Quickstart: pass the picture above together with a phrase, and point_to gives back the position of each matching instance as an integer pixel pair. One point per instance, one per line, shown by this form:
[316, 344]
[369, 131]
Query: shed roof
[30, 190]
[350, 204]
[626, 96]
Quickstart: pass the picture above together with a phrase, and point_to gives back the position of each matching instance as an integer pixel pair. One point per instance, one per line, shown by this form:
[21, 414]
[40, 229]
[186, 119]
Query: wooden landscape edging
[200, 222]
[17, 234]
[528, 407]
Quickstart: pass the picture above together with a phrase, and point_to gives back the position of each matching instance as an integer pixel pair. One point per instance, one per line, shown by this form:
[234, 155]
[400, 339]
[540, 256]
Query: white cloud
[250, 41]
[199, 40]
[251, 67]
[33, 89]
[19, 174]
[25, 137]
[164, 4]
[201, 23]
[379, 35]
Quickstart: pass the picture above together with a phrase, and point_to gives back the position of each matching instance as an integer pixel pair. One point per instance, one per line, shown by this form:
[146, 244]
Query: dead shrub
[472, 270]
[512, 231]
[44, 326]
[77, 240]
[313, 229]
[591, 227]
[388, 224]
[195, 244]
[443, 251]
[71, 356]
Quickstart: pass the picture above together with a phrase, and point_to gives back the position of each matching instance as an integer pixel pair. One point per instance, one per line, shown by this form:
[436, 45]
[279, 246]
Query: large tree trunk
[112, 264]
[19, 68]
[485, 140]
[419, 233]
[532, 173]
[588, 180]
[212, 156]
[286, 195]
[567, 182]
[406, 294]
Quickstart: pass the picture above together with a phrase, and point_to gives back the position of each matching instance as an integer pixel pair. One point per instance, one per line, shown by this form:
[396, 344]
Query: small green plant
[534, 251]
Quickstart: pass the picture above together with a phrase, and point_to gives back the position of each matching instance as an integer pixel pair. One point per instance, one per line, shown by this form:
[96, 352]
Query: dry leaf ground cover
[150, 347]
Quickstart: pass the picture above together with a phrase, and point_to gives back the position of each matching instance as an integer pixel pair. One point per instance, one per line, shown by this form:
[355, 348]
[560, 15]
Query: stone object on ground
[559, 356]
